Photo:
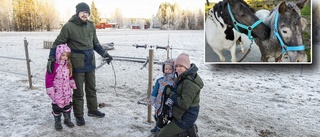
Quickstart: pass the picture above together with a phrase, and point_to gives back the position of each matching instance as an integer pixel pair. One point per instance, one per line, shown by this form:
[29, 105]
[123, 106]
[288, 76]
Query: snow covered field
[237, 100]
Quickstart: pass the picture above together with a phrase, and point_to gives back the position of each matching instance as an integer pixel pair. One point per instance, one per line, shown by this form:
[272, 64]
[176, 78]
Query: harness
[285, 47]
[248, 28]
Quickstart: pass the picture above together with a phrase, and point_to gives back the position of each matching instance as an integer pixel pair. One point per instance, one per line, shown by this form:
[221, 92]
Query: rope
[245, 55]
[115, 77]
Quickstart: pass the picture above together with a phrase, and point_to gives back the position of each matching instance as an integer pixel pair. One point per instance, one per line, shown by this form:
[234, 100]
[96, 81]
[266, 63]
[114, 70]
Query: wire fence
[21, 59]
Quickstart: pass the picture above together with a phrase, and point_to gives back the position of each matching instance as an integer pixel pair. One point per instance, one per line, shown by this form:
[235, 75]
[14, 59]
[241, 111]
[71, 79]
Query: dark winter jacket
[82, 39]
[187, 97]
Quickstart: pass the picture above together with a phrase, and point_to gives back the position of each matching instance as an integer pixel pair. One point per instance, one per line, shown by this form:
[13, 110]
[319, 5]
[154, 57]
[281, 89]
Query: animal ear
[282, 7]
[302, 4]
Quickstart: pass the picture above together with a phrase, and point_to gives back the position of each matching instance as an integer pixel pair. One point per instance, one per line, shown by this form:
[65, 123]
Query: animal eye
[284, 31]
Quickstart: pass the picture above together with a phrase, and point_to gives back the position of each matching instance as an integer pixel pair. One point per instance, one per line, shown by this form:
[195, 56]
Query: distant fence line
[12, 58]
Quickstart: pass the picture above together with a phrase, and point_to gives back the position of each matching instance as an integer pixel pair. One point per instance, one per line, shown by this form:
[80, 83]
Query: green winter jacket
[82, 39]
[187, 95]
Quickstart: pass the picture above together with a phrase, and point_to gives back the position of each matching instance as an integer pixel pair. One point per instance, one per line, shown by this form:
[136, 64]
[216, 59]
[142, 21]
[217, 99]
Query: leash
[114, 72]
[103, 62]
[115, 77]
[246, 54]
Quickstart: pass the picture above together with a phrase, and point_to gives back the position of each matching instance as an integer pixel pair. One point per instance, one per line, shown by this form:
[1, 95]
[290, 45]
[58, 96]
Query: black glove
[50, 65]
[107, 57]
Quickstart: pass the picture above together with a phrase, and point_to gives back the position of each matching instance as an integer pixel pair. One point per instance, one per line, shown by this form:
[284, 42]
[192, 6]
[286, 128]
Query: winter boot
[193, 131]
[154, 130]
[96, 114]
[80, 121]
[57, 122]
[67, 119]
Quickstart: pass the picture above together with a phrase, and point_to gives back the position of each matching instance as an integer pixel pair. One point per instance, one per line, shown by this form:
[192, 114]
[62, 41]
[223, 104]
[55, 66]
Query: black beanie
[82, 7]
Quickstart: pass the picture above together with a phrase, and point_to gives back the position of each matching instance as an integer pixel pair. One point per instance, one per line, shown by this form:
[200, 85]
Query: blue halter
[284, 46]
[237, 24]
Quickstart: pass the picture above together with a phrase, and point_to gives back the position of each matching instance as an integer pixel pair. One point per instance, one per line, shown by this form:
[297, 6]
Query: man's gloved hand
[50, 65]
[107, 57]
[169, 102]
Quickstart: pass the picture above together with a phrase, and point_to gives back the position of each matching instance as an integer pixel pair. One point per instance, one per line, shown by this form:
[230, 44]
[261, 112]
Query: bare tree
[172, 17]
[162, 14]
[49, 19]
[117, 17]
[176, 16]
[6, 15]
[24, 13]
[200, 19]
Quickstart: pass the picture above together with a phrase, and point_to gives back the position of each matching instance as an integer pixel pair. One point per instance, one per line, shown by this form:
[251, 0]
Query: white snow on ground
[237, 100]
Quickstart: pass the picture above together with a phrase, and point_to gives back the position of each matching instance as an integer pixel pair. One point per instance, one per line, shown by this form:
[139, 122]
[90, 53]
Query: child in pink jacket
[59, 85]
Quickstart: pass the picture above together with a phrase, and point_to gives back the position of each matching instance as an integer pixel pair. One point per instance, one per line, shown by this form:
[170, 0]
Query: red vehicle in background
[103, 25]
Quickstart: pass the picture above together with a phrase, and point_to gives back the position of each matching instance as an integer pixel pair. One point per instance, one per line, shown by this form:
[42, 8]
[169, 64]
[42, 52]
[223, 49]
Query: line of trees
[27, 15]
[38, 15]
[171, 16]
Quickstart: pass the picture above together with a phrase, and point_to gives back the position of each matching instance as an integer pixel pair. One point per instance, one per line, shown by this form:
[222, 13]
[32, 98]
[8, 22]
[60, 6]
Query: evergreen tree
[94, 14]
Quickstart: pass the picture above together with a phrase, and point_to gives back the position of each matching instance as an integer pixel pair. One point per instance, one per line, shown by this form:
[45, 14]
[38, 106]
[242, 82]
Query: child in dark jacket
[59, 85]
[168, 78]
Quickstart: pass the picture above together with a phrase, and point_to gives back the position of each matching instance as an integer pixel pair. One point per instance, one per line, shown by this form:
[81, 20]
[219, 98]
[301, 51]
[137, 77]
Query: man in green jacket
[80, 35]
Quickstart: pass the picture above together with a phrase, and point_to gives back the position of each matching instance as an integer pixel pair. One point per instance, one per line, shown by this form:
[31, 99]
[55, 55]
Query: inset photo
[252, 32]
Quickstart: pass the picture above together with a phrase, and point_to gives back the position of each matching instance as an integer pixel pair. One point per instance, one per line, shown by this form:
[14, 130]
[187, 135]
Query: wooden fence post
[150, 82]
[28, 62]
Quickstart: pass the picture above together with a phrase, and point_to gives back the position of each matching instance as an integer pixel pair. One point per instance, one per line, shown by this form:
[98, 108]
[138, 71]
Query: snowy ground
[237, 100]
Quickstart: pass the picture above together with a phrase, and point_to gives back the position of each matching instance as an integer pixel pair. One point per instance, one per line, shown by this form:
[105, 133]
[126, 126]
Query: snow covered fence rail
[135, 59]
[27, 61]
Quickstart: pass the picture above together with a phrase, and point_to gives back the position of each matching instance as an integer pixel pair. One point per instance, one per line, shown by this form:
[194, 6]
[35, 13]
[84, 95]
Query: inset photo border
[266, 32]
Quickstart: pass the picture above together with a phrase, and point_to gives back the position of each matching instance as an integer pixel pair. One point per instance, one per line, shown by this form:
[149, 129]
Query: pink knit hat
[183, 59]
